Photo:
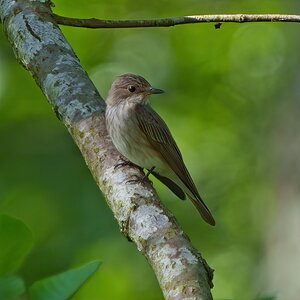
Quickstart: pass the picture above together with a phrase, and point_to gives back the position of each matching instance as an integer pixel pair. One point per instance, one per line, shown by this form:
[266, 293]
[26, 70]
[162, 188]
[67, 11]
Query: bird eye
[131, 88]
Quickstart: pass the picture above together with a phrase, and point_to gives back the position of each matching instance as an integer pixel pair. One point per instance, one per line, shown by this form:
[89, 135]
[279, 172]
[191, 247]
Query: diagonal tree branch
[167, 22]
[42, 49]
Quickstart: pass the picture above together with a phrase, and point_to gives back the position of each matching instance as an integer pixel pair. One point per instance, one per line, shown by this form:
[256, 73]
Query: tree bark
[42, 49]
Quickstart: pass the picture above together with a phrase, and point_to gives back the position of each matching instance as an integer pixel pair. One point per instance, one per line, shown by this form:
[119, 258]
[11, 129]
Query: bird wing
[160, 137]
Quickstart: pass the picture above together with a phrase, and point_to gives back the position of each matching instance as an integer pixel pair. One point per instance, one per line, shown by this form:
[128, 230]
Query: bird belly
[137, 151]
[129, 140]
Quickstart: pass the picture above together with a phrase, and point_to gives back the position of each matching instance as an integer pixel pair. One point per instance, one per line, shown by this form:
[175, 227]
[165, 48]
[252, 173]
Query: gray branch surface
[42, 49]
[167, 22]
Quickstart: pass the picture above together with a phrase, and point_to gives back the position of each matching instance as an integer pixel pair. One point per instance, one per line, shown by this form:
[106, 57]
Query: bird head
[130, 88]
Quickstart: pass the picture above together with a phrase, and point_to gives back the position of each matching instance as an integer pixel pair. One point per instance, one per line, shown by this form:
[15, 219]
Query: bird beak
[155, 91]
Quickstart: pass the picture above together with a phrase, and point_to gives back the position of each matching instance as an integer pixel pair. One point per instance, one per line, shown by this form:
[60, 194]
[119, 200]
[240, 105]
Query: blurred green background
[232, 103]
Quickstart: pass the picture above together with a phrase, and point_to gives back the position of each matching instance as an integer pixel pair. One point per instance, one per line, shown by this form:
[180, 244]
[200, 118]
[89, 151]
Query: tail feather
[171, 185]
[203, 210]
[181, 193]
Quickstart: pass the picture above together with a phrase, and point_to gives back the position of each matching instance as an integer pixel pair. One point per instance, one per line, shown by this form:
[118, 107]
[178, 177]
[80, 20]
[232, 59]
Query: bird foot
[138, 179]
[123, 164]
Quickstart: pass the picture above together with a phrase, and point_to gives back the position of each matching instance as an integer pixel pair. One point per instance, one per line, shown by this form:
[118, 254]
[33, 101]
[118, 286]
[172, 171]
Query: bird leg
[149, 172]
[144, 178]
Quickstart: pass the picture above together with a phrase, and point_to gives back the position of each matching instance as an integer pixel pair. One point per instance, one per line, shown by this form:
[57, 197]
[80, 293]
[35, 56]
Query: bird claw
[123, 164]
[133, 181]
[138, 179]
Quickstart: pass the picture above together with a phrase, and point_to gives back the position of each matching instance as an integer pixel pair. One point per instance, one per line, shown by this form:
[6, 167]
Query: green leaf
[15, 241]
[11, 287]
[64, 285]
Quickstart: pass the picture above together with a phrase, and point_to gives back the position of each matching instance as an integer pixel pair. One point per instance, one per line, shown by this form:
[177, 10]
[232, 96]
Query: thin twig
[166, 22]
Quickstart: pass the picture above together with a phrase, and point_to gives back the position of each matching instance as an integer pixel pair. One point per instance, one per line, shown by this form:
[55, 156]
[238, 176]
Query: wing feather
[160, 137]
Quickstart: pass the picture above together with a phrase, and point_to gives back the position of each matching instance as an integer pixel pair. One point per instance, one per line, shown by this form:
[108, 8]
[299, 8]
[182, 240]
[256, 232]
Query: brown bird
[142, 137]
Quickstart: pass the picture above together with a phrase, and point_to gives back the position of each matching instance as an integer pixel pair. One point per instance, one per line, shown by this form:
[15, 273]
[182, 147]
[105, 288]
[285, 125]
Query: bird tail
[180, 190]
[203, 210]
[171, 185]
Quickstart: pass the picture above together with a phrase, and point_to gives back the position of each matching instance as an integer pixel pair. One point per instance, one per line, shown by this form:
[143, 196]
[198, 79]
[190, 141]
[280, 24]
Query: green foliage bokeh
[231, 95]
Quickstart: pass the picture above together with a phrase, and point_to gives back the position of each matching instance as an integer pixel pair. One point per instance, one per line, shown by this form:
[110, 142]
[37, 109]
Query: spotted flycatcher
[142, 137]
